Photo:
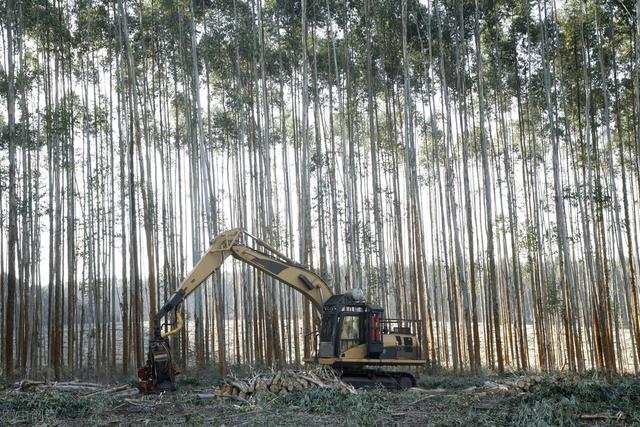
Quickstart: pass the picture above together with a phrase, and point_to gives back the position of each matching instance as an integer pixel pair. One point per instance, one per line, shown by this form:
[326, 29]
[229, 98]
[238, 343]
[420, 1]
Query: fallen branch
[79, 384]
[314, 380]
[596, 417]
[135, 403]
[207, 395]
[429, 396]
[27, 385]
[69, 387]
[111, 390]
[127, 392]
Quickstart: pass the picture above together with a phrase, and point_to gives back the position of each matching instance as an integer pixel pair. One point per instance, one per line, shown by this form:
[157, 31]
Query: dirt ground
[440, 400]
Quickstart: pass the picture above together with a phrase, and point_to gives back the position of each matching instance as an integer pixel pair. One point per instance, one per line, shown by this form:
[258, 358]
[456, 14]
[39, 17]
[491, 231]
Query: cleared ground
[443, 399]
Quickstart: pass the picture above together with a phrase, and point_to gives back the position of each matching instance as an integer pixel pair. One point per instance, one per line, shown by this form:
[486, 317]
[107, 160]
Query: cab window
[326, 330]
[350, 333]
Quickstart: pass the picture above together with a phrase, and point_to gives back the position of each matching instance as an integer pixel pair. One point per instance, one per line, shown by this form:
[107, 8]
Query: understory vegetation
[457, 400]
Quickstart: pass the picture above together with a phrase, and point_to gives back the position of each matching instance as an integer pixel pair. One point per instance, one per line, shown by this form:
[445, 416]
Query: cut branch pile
[283, 382]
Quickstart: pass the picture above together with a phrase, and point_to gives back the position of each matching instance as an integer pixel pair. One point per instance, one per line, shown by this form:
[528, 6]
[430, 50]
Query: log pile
[532, 383]
[283, 382]
[529, 383]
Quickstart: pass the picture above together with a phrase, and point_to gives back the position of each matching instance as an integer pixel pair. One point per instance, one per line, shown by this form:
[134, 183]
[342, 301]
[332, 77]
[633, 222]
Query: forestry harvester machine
[354, 335]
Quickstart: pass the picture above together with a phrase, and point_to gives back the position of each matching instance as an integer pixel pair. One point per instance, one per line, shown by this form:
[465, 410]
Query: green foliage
[362, 408]
[47, 407]
[551, 403]
[529, 238]
[563, 403]
[545, 412]
[194, 378]
[441, 379]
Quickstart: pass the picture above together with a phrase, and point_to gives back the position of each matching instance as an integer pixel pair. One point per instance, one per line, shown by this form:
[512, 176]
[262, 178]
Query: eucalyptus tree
[488, 199]
[12, 224]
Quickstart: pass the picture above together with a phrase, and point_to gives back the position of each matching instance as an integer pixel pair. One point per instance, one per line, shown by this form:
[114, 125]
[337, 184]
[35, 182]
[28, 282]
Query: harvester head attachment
[159, 374]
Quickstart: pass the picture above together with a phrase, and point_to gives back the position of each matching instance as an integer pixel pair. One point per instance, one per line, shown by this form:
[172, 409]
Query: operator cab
[355, 333]
[348, 322]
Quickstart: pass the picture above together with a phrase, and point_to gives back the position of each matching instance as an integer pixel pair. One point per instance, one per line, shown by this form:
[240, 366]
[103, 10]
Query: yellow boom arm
[262, 257]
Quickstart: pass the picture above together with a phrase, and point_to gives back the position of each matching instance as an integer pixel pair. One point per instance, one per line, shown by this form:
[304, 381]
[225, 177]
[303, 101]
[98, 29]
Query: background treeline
[473, 164]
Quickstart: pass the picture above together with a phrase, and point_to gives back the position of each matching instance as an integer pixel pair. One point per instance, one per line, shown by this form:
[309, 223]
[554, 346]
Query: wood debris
[283, 382]
[84, 389]
[493, 386]
[599, 417]
[531, 383]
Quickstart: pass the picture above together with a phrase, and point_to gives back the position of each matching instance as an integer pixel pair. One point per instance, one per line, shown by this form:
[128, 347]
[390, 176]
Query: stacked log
[534, 382]
[283, 382]
[528, 383]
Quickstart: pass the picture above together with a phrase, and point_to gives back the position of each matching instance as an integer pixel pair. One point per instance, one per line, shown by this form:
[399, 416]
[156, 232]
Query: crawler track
[372, 377]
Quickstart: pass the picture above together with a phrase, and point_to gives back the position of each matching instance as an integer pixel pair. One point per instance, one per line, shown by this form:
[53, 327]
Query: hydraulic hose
[178, 328]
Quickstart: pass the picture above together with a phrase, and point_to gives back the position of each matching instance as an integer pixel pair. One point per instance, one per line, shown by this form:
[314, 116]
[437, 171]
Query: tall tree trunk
[12, 241]
[487, 195]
